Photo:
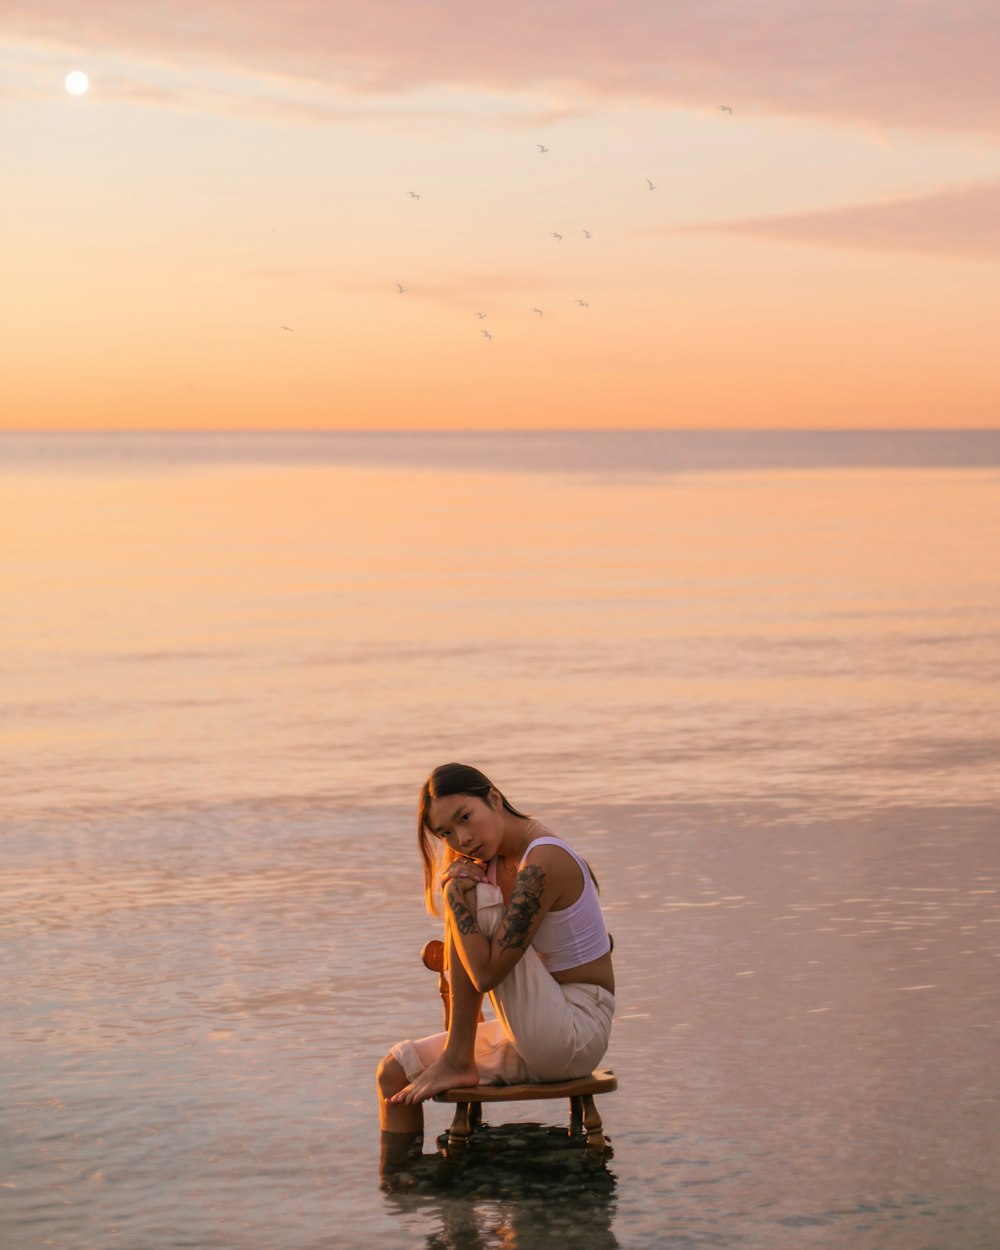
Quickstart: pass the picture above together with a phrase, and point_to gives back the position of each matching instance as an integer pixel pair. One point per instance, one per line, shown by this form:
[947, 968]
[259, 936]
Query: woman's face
[470, 825]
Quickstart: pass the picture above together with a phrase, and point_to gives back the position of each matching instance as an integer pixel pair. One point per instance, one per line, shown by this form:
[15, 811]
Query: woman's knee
[390, 1076]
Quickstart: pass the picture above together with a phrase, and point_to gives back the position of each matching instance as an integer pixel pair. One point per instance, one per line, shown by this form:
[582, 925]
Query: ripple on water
[194, 1022]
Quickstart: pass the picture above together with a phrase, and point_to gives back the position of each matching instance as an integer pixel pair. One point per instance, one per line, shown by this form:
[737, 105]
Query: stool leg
[575, 1116]
[592, 1125]
[460, 1130]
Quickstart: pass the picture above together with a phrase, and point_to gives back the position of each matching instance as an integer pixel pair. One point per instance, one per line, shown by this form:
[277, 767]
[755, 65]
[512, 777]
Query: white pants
[544, 1031]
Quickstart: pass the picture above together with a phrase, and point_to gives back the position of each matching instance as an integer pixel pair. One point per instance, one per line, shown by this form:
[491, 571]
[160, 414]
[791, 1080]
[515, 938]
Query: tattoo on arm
[525, 900]
[465, 921]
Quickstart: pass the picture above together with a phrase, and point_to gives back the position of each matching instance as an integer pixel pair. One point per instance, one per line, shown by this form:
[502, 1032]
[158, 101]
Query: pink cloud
[898, 63]
[962, 222]
[282, 109]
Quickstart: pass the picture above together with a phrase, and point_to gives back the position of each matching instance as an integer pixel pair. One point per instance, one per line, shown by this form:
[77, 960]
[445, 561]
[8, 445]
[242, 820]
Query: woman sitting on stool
[522, 923]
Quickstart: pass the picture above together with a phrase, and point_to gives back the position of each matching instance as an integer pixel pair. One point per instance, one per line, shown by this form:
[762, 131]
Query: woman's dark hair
[445, 780]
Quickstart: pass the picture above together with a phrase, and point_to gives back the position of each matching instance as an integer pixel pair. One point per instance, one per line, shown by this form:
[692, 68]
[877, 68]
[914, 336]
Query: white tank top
[577, 934]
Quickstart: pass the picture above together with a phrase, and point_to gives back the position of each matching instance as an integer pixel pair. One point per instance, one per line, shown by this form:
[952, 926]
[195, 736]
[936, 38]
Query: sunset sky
[827, 254]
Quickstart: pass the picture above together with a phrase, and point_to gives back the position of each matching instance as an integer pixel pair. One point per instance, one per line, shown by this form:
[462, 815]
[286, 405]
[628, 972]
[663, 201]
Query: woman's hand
[462, 875]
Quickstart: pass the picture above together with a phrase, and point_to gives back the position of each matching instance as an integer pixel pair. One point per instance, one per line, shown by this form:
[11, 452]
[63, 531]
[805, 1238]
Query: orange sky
[825, 255]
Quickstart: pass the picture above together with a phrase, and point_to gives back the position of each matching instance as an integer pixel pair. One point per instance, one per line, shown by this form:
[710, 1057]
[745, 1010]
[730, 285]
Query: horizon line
[714, 429]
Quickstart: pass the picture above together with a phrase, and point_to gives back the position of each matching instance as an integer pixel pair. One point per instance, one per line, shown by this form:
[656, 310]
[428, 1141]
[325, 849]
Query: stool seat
[600, 1081]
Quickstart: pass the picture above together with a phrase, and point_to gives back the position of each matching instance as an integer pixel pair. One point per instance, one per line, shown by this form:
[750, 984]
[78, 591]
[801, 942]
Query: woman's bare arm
[487, 962]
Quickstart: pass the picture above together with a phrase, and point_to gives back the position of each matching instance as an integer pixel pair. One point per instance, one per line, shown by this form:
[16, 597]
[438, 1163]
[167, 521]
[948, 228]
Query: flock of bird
[413, 195]
[401, 290]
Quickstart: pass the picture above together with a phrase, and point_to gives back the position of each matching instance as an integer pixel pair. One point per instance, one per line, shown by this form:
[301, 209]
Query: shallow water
[761, 701]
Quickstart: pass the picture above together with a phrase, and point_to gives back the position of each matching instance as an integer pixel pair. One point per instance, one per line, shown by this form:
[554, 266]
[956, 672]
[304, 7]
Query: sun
[77, 82]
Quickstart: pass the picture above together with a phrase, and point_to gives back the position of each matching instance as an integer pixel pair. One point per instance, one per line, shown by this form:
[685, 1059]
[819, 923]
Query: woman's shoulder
[548, 850]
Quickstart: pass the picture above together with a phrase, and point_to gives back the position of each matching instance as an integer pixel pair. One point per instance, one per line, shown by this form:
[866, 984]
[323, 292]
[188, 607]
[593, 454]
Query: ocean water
[753, 677]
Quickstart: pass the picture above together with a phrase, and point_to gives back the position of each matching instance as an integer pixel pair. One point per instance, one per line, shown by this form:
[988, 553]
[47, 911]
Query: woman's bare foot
[442, 1074]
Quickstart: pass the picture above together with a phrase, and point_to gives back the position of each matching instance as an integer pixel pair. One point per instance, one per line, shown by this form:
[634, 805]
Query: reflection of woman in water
[523, 924]
[496, 1218]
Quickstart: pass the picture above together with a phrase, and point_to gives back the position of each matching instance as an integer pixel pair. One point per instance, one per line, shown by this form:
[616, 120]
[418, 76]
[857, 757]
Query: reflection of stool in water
[469, 1100]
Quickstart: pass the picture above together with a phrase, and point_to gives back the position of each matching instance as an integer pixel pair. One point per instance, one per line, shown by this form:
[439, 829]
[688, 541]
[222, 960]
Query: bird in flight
[288, 328]
[486, 333]
[651, 187]
[541, 147]
[413, 195]
[537, 310]
[582, 303]
[587, 234]
[557, 236]
[725, 108]
[481, 316]
[401, 289]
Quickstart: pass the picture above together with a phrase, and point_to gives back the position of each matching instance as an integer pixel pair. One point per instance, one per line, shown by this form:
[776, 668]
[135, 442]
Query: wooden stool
[469, 1099]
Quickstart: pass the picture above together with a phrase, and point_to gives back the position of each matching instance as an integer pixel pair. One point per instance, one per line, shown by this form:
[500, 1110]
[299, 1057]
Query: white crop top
[577, 934]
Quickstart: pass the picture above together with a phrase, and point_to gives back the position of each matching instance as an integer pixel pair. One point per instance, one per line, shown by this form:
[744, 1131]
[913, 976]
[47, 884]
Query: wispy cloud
[497, 293]
[960, 222]
[461, 291]
[892, 64]
[255, 106]
[468, 290]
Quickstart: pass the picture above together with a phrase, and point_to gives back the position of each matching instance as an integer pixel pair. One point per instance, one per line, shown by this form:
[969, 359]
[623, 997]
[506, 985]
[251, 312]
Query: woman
[523, 924]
